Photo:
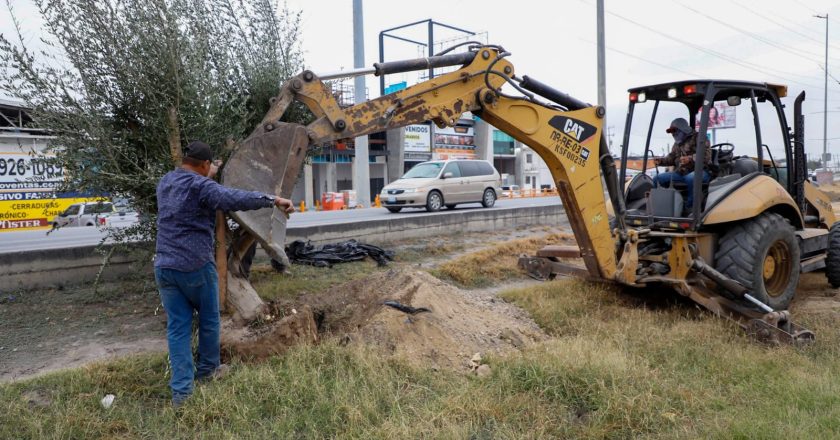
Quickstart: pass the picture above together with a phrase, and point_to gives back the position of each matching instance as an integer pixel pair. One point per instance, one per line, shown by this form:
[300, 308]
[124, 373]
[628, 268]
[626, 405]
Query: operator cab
[761, 145]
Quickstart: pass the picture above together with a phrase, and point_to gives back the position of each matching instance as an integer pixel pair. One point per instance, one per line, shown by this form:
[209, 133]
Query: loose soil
[458, 324]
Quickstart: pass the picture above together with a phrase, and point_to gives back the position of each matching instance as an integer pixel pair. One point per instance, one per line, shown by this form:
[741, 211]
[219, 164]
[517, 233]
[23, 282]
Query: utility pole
[825, 96]
[361, 170]
[602, 74]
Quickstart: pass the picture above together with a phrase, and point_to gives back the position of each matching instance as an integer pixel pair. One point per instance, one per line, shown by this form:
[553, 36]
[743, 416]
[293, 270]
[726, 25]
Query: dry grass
[618, 366]
[671, 371]
[306, 279]
[496, 263]
[832, 190]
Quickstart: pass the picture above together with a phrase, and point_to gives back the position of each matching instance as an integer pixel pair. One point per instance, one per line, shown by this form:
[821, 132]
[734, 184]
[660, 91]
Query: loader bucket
[268, 161]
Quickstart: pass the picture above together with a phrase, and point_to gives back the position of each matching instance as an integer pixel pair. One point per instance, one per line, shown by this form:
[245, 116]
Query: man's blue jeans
[665, 179]
[181, 294]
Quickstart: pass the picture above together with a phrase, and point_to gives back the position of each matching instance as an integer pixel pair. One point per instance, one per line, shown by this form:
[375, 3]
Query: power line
[782, 25]
[804, 5]
[754, 67]
[637, 57]
[756, 37]
[829, 74]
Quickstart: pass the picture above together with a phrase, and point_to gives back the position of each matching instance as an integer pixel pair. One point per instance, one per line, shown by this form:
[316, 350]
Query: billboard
[27, 192]
[418, 138]
[23, 172]
[721, 115]
[18, 213]
[456, 142]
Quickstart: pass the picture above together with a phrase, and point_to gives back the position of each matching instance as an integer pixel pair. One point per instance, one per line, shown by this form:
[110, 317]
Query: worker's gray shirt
[187, 204]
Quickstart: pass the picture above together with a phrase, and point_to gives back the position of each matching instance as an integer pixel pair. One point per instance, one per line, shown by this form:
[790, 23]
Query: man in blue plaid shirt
[185, 269]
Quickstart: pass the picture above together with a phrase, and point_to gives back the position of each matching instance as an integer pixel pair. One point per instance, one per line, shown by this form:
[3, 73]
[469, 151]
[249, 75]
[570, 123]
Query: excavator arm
[567, 134]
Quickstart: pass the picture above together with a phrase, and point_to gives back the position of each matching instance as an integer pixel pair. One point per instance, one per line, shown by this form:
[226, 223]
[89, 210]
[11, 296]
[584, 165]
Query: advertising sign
[456, 142]
[22, 172]
[459, 136]
[418, 138]
[18, 212]
[721, 115]
[27, 197]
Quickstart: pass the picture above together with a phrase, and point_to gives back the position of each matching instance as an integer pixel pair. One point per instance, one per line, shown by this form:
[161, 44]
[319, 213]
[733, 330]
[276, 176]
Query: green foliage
[116, 70]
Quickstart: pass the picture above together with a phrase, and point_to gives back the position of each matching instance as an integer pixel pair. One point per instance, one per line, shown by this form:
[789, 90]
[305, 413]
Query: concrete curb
[63, 267]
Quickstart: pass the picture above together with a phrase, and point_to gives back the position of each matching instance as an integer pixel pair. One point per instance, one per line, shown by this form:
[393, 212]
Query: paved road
[74, 237]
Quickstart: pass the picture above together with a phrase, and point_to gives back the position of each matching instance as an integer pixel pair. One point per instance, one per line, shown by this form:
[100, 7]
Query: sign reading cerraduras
[27, 192]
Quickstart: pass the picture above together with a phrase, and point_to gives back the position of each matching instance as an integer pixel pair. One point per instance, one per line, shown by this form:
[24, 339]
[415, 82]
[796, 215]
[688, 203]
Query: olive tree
[124, 84]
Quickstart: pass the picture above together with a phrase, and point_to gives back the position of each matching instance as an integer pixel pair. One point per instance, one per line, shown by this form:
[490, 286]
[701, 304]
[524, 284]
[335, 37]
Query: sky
[648, 42]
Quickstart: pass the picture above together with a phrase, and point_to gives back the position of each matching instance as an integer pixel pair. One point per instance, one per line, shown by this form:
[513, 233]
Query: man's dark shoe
[179, 400]
[217, 374]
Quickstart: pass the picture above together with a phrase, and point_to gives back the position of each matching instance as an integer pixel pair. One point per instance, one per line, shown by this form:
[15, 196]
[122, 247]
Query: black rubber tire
[394, 210]
[832, 260]
[434, 201]
[747, 248]
[451, 206]
[488, 199]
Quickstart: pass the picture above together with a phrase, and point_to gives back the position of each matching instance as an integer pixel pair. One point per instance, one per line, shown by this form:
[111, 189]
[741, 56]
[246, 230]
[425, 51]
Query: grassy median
[495, 264]
[617, 366]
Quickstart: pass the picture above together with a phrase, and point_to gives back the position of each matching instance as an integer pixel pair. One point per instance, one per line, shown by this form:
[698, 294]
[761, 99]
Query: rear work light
[638, 97]
[672, 92]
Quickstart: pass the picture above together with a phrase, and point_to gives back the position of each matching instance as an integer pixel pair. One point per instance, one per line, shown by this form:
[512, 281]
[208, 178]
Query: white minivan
[435, 184]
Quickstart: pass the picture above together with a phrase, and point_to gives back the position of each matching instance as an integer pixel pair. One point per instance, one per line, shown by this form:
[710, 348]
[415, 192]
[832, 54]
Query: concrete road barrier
[58, 268]
[63, 267]
[422, 225]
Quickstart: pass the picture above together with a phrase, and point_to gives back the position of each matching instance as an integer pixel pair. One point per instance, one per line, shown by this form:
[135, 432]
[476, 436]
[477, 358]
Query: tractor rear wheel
[763, 255]
[832, 260]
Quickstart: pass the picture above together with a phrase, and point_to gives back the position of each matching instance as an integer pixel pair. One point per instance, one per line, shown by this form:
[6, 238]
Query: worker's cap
[198, 150]
[679, 124]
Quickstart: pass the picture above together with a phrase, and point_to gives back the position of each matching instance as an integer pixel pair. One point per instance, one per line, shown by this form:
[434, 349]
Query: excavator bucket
[268, 161]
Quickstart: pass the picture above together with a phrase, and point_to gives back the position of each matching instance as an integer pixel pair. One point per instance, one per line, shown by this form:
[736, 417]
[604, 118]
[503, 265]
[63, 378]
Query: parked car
[83, 214]
[511, 191]
[440, 183]
[122, 216]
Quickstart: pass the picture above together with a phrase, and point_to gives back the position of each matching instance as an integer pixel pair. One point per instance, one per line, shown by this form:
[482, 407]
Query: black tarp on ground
[301, 252]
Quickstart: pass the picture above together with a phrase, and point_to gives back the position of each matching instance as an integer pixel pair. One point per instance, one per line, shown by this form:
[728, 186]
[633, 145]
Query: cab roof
[728, 88]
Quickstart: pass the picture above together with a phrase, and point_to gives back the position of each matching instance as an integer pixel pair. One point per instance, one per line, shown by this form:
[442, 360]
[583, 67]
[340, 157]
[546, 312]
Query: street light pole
[602, 74]
[361, 172]
[825, 96]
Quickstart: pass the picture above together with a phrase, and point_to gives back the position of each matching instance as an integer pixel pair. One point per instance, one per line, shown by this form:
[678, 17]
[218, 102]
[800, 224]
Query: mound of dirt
[457, 325]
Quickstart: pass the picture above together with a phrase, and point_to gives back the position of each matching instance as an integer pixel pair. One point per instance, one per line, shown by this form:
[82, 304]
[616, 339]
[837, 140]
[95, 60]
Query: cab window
[72, 210]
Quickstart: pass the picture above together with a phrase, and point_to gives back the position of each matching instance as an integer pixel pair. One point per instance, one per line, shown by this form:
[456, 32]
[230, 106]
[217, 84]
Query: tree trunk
[245, 304]
[221, 258]
[174, 135]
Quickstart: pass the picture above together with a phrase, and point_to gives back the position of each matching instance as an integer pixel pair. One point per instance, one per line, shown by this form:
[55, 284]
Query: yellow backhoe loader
[738, 251]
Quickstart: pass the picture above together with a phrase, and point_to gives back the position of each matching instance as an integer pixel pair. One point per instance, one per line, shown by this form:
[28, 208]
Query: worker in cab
[682, 157]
